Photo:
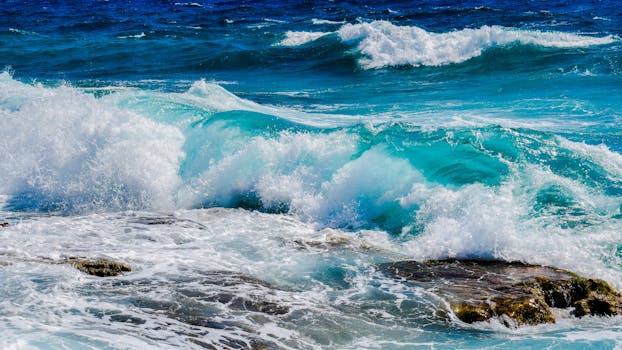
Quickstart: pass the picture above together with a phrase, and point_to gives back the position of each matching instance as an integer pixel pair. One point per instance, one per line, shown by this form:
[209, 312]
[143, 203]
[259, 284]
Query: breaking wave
[384, 44]
[64, 150]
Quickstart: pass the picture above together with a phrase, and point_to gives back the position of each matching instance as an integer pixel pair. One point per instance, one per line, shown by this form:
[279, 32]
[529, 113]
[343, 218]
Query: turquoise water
[300, 144]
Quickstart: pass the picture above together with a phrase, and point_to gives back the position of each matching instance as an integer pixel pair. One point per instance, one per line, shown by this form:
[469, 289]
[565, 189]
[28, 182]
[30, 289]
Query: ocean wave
[384, 44]
[63, 149]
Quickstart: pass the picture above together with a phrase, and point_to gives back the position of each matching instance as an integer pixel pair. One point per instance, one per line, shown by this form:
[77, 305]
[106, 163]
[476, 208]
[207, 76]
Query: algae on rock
[513, 292]
[101, 268]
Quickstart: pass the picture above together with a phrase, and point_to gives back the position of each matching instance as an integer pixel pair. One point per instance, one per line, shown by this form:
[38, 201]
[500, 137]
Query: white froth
[477, 221]
[301, 38]
[61, 146]
[371, 311]
[385, 44]
[135, 36]
[600, 154]
[317, 21]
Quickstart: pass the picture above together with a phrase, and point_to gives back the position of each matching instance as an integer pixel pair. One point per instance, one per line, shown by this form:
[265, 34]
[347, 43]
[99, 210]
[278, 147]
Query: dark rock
[127, 319]
[262, 306]
[512, 292]
[4, 224]
[101, 268]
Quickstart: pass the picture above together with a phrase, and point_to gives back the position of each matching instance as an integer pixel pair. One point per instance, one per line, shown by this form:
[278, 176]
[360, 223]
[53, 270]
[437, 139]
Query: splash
[61, 149]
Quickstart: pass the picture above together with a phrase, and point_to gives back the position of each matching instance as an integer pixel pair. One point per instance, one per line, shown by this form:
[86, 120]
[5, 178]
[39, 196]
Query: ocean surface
[254, 161]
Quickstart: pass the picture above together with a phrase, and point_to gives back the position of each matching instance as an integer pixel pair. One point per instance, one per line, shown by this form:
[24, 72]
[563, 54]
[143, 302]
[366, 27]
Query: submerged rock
[512, 292]
[101, 268]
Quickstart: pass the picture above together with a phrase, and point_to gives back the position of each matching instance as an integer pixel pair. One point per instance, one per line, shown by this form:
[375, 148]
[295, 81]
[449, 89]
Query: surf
[384, 44]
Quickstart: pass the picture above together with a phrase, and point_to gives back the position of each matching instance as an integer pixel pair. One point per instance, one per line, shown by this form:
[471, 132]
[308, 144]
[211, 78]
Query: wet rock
[127, 319]
[166, 220]
[4, 224]
[512, 292]
[235, 302]
[101, 268]
[262, 306]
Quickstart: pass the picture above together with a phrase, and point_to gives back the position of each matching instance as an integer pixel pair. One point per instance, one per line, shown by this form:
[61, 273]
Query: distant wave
[136, 36]
[21, 32]
[325, 21]
[385, 44]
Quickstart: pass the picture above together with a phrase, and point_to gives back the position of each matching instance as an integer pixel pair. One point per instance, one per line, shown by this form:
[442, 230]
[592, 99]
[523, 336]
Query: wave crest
[385, 44]
[61, 149]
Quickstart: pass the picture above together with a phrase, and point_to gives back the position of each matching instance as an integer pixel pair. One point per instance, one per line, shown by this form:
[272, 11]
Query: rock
[4, 224]
[101, 268]
[514, 293]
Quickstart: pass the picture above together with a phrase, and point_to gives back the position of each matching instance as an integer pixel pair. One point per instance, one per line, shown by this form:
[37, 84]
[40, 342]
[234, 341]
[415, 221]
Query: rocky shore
[514, 293]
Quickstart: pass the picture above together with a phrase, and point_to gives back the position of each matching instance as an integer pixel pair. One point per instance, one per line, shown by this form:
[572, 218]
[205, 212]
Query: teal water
[266, 132]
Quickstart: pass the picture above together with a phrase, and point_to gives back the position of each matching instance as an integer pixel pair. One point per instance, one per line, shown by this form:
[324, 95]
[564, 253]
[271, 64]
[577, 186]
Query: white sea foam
[325, 21]
[611, 161]
[136, 36]
[385, 44]
[59, 144]
[477, 221]
[301, 38]
[190, 4]
[172, 259]
[22, 32]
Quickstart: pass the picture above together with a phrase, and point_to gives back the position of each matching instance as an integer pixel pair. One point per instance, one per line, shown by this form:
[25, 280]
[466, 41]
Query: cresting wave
[61, 149]
[385, 44]
[64, 150]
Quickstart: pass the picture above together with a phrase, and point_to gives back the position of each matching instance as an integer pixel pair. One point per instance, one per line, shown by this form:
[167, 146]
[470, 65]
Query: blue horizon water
[410, 130]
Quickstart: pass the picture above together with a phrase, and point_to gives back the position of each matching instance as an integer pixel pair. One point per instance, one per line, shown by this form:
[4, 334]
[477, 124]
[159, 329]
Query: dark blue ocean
[290, 147]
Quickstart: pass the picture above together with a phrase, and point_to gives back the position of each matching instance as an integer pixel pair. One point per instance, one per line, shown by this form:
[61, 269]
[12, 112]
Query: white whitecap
[385, 44]
[136, 36]
[63, 146]
[301, 38]
[318, 21]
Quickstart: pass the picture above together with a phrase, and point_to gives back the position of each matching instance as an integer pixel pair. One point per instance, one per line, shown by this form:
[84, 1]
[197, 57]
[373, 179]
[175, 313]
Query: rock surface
[514, 293]
[101, 268]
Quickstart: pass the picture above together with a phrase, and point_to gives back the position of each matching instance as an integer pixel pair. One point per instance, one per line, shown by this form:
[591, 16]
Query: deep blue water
[486, 129]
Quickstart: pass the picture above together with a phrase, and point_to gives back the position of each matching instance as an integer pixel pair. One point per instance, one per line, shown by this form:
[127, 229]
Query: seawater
[277, 151]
